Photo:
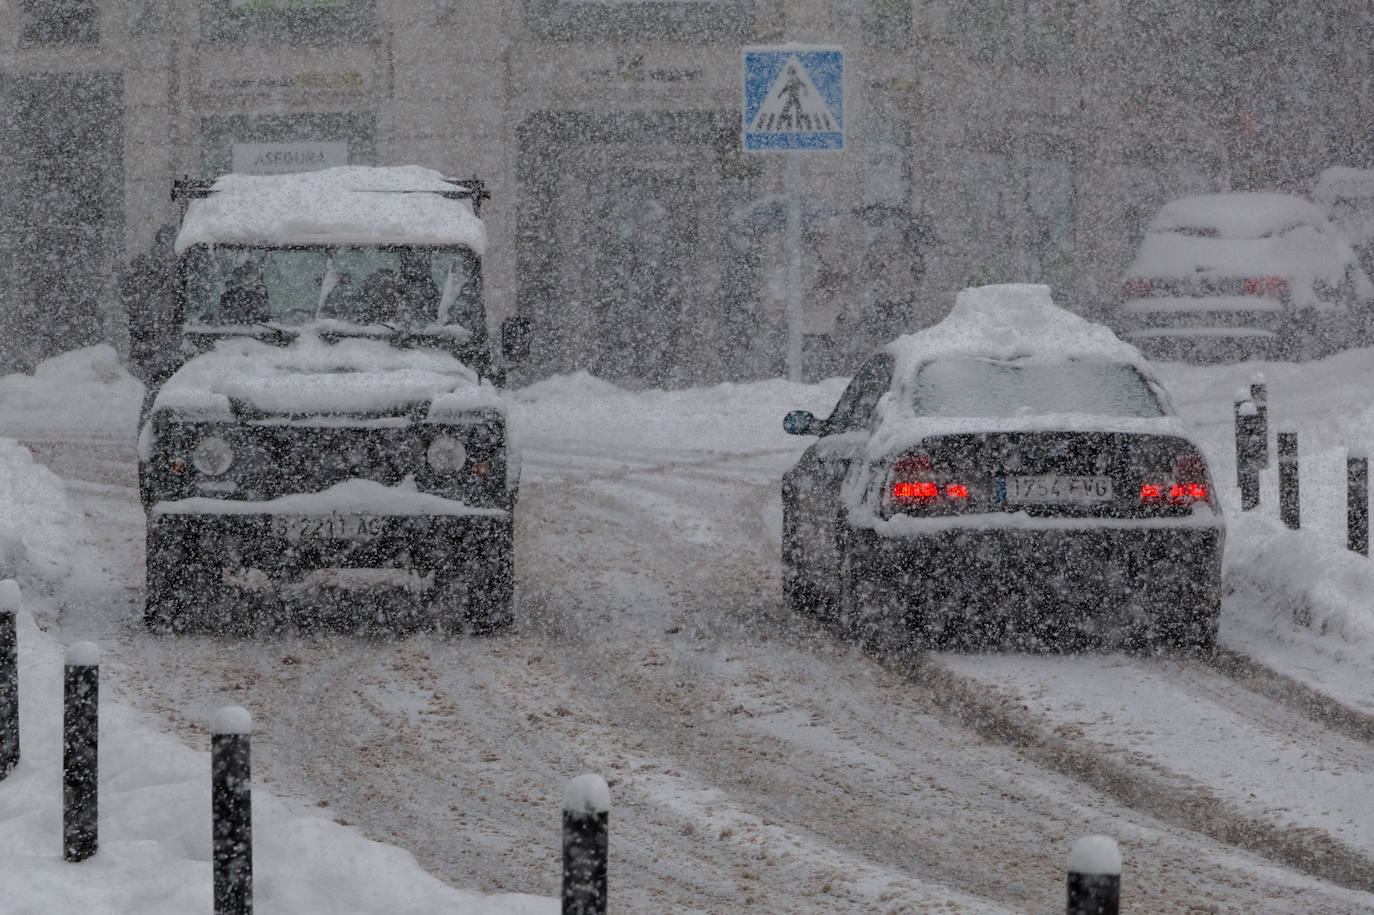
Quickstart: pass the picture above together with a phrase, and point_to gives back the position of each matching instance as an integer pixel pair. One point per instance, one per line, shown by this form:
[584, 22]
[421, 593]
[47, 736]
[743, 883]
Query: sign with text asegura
[280, 158]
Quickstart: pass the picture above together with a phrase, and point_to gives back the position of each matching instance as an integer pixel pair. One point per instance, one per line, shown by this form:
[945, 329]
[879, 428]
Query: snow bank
[36, 524]
[76, 395]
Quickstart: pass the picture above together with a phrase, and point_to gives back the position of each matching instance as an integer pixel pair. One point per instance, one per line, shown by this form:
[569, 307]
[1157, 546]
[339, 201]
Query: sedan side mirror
[515, 338]
[800, 422]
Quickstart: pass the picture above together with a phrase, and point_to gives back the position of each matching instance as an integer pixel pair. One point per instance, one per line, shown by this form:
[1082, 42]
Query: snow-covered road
[756, 761]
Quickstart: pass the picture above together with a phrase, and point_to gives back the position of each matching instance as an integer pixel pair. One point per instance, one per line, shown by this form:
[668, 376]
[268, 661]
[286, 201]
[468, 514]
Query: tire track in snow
[1175, 799]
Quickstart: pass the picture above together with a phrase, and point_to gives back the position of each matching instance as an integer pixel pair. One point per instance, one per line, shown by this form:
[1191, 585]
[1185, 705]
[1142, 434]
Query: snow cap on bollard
[83, 654]
[1248, 408]
[1095, 856]
[1357, 452]
[232, 719]
[1241, 394]
[587, 794]
[9, 596]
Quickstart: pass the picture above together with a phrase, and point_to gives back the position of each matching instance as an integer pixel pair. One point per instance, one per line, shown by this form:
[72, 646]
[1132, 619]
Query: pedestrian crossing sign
[793, 98]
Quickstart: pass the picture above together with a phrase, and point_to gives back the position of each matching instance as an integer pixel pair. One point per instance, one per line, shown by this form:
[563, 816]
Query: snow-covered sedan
[1014, 474]
[1222, 277]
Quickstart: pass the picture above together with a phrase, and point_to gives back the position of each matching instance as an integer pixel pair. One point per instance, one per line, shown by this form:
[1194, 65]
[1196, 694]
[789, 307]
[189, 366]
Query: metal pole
[1357, 502]
[1288, 478]
[794, 295]
[80, 739]
[586, 845]
[231, 810]
[1094, 877]
[9, 677]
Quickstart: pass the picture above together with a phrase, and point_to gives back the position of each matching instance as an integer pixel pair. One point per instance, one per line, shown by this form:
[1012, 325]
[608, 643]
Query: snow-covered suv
[334, 408]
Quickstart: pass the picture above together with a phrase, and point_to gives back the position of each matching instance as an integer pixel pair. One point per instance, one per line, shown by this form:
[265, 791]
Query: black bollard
[586, 844]
[1357, 501]
[1248, 447]
[1259, 396]
[1242, 434]
[231, 810]
[1094, 877]
[1288, 479]
[80, 739]
[9, 677]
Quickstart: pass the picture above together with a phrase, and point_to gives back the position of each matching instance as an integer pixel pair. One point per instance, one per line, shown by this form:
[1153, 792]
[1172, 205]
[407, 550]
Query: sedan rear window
[986, 387]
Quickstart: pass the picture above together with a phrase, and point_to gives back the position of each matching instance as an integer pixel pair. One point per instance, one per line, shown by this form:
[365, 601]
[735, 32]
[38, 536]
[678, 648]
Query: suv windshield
[401, 287]
[966, 387]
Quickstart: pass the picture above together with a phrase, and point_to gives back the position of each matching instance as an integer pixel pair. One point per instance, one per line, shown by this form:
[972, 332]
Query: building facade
[986, 140]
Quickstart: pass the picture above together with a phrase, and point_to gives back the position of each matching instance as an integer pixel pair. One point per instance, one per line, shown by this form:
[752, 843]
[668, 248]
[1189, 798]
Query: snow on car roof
[1011, 321]
[348, 204]
[1343, 181]
[1249, 214]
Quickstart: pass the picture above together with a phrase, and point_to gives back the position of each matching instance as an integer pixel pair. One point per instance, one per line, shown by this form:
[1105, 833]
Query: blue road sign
[793, 98]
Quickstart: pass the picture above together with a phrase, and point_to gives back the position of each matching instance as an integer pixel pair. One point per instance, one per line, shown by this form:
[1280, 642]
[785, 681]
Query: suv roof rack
[474, 189]
[187, 188]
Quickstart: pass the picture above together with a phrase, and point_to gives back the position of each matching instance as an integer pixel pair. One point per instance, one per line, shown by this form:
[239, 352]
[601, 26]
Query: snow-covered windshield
[973, 387]
[398, 286]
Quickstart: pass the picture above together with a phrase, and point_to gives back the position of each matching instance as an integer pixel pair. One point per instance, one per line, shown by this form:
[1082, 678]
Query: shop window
[59, 22]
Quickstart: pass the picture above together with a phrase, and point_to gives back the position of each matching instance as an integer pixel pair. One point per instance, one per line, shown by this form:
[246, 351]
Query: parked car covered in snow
[1233, 276]
[1015, 474]
[334, 407]
[1346, 196]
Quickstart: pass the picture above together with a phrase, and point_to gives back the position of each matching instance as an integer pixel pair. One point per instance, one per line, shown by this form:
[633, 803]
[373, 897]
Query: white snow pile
[154, 842]
[36, 523]
[344, 205]
[1242, 236]
[1012, 321]
[85, 391]
[311, 376]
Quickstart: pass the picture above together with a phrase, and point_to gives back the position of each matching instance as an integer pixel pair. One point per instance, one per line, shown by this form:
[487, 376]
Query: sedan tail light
[1265, 285]
[915, 483]
[1186, 486]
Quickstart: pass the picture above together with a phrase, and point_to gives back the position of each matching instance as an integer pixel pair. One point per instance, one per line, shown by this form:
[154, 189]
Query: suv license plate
[336, 526]
[1053, 488]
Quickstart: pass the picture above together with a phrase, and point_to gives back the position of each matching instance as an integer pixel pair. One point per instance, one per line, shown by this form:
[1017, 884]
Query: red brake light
[1187, 486]
[1265, 285]
[916, 484]
[1135, 287]
[915, 492]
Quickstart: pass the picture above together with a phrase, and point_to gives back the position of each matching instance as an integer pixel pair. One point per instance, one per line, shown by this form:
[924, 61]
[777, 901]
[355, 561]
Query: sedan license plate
[336, 526]
[1054, 488]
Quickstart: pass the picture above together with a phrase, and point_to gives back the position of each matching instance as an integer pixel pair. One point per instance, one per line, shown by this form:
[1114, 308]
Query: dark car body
[332, 416]
[978, 484]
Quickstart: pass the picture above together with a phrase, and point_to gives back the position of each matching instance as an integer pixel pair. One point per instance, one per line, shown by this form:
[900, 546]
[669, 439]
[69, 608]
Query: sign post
[793, 103]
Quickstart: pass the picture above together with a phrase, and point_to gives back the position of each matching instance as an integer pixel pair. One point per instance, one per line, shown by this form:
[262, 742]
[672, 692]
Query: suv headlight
[446, 454]
[213, 456]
